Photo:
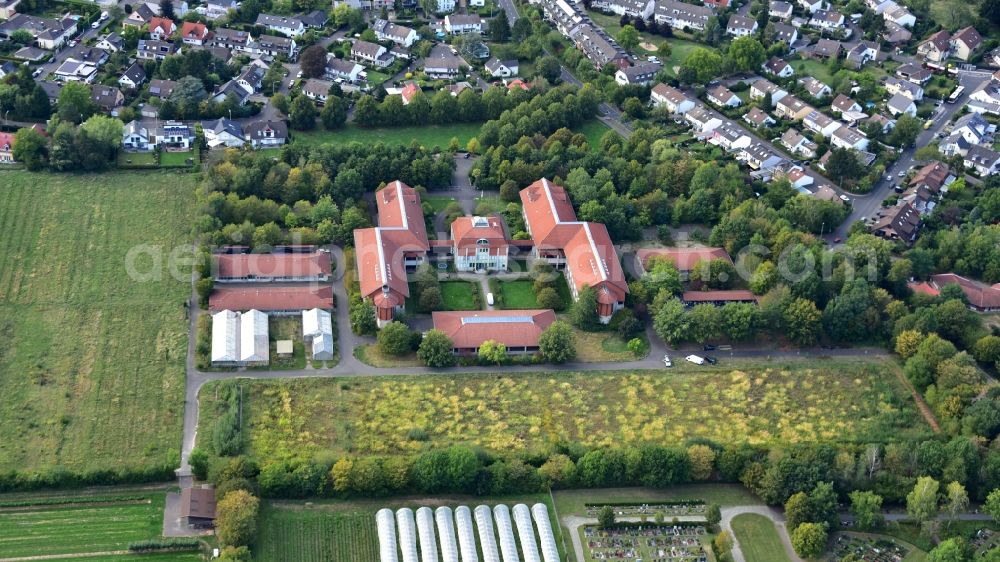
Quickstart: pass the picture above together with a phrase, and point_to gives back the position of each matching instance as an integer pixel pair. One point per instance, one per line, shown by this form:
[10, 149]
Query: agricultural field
[101, 528]
[758, 538]
[345, 531]
[89, 349]
[754, 401]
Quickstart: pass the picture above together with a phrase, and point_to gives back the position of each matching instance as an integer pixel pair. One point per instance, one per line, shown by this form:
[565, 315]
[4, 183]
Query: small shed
[285, 347]
[198, 506]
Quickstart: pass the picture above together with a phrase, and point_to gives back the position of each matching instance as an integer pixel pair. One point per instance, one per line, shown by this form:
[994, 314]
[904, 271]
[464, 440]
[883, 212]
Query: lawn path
[922, 406]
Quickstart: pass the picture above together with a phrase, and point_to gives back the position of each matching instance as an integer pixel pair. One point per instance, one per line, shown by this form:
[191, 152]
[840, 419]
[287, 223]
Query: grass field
[92, 366]
[593, 130]
[574, 501]
[460, 295]
[345, 531]
[93, 528]
[370, 355]
[157, 557]
[518, 295]
[758, 538]
[753, 400]
[427, 135]
[599, 347]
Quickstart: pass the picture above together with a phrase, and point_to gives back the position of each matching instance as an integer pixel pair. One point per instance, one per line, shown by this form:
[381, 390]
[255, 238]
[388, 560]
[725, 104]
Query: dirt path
[921, 405]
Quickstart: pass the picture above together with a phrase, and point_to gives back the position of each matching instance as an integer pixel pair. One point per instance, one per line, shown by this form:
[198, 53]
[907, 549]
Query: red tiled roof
[273, 265]
[684, 259]
[715, 296]
[410, 90]
[980, 294]
[380, 251]
[267, 299]
[932, 175]
[924, 287]
[6, 141]
[194, 29]
[163, 23]
[466, 231]
[513, 328]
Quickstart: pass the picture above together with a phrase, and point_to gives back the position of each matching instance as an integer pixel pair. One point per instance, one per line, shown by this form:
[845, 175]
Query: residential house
[231, 39]
[136, 138]
[641, 74]
[92, 55]
[821, 123]
[160, 29]
[968, 130]
[442, 63]
[502, 68]
[899, 222]
[815, 88]
[906, 88]
[195, 33]
[583, 250]
[679, 15]
[900, 17]
[779, 9]
[410, 91]
[965, 42]
[286, 25]
[843, 104]
[829, 20]
[275, 301]
[215, 9]
[741, 26]
[798, 144]
[722, 96]
[937, 47]
[371, 53]
[181, 7]
[795, 175]
[986, 99]
[826, 48]
[517, 330]
[8, 8]
[385, 253]
[861, 54]
[49, 34]
[315, 19]
[642, 9]
[7, 68]
[140, 16]
[702, 120]
[232, 90]
[111, 43]
[133, 77]
[920, 198]
[982, 159]
[673, 99]
[915, 73]
[6, 148]
[730, 137]
[759, 156]
[173, 135]
[108, 98]
[846, 137]
[161, 88]
[778, 67]
[445, 6]
[981, 297]
[812, 6]
[342, 69]
[900, 104]
[399, 34]
[266, 134]
[786, 33]
[460, 24]
[762, 87]
[72, 70]
[198, 504]
[223, 132]
[758, 118]
[149, 49]
[272, 46]
[564, 15]
[480, 244]
[456, 89]
[791, 107]
[935, 176]
[599, 48]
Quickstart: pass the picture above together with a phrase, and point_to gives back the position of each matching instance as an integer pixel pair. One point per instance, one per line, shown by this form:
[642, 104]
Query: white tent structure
[526, 532]
[425, 529]
[407, 534]
[487, 539]
[225, 337]
[466, 535]
[317, 330]
[386, 535]
[254, 343]
[508, 546]
[550, 553]
[446, 530]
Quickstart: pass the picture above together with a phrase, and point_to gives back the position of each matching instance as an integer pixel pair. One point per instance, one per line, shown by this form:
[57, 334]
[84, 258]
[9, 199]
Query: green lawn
[460, 295]
[92, 366]
[815, 68]
[758, 538]
[177, 159]
[518, 294]
[93, 528]
[154, 557]
[427, 135]
[136, 159]
[573, 502]
[345, 531]
[594, 130]
[756, 401]
[438, 202]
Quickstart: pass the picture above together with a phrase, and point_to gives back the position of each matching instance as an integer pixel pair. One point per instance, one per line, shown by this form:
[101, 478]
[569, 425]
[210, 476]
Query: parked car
[711, 360]
[845, 198]
[901, 174]
[667, 362]
[709, 347]
[695, 359]
[95, 25]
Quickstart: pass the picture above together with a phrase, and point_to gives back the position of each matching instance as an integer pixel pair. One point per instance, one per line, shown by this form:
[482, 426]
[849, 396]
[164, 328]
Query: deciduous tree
[557, 343]
[436, 350]
[236, 518]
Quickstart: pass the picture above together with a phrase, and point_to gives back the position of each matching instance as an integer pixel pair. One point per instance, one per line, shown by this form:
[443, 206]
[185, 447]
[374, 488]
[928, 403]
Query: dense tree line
[438, 108]
[21, 98]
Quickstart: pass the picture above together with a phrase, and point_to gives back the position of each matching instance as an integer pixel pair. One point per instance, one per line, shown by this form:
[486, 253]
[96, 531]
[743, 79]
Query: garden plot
[647, 542]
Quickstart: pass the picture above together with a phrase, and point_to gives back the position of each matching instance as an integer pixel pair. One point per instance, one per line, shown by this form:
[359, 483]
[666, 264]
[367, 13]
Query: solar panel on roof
[495, 319]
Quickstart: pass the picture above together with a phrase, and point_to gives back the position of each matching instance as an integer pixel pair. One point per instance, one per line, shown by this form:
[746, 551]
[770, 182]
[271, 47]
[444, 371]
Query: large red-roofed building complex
[274, 301]
[479, 244]
[287, 267]
[582, 249]
[518, 330]
[384, 253]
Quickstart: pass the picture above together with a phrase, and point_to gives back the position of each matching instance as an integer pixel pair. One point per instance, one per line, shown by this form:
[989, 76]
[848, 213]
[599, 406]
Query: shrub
[236, 518]
[549, 298]
[394, 339]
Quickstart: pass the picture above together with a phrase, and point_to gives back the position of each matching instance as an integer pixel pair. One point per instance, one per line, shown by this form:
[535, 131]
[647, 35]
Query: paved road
[865, 206]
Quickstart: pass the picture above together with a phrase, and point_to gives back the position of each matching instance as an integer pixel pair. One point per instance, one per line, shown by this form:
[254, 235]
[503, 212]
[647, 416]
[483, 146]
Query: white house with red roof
[384, 253]
[583, 250]
[480, 244]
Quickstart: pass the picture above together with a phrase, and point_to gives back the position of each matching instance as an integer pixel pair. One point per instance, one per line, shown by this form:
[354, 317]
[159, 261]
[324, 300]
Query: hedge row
[164, 544]
[650, 504]
[11, 481]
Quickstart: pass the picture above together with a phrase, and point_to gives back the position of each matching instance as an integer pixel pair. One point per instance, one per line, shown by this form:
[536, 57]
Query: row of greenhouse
[442, 535]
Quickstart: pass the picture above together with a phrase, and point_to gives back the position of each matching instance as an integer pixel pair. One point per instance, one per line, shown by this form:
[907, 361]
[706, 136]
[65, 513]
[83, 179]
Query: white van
[695, 359]
[489, 299]
[105, 16]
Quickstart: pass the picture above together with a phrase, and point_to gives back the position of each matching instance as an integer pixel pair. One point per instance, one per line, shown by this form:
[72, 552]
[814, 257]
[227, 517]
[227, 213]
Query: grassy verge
[758, 538]
[600, 347]
[92, 368]
[426, 135]
[370, 354]
[756, 401]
